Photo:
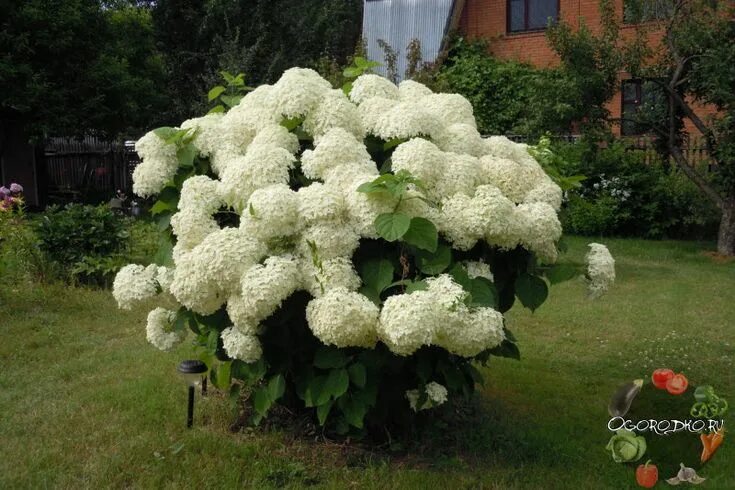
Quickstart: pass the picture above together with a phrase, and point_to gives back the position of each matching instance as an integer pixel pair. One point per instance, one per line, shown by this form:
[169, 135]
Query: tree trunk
[726, 235]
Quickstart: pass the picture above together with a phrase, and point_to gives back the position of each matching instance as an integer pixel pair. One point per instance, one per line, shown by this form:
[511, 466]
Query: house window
[531, 15]
[637, 11]
[642, 103]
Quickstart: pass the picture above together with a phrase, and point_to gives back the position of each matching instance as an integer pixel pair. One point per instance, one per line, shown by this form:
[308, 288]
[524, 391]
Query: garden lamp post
[191, 371]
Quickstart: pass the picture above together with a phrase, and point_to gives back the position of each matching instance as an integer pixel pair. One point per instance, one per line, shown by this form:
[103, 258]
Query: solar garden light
[192, 371]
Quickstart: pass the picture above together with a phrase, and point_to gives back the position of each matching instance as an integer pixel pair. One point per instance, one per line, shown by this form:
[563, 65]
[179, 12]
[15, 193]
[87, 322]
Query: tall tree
[696, 65]
[70, 67]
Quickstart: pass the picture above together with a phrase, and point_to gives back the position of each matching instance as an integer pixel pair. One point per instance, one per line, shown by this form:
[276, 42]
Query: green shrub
[84, 241]
[625, 196]
[20, 256]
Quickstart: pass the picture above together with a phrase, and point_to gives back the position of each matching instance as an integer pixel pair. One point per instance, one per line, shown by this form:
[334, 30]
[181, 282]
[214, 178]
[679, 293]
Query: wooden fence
[694, 148]
[88, 169]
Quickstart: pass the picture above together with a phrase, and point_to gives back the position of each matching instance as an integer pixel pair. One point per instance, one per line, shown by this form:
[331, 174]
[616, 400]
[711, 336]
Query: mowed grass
[85, 402]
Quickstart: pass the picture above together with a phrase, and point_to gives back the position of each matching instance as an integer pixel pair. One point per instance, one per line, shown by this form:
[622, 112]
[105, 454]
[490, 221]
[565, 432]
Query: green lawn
[86, 402]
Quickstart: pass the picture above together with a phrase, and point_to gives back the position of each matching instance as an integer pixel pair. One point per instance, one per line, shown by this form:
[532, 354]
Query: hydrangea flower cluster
[436, 395]
[600, 269]
[488, 190]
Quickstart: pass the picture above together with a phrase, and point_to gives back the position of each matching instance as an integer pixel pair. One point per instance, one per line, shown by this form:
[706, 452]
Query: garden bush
[85, 242]
[348, 254]
[624, 196]
[20, 256]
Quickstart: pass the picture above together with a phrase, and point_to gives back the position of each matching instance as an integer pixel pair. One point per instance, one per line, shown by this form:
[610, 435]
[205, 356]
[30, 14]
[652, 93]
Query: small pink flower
[4, 191]
[16, 188]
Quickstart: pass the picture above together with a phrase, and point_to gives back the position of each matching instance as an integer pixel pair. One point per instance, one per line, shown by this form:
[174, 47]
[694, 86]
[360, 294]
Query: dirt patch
[719, 258]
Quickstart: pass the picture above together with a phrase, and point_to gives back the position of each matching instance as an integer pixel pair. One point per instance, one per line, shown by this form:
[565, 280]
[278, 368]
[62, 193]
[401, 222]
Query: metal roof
[399, 21]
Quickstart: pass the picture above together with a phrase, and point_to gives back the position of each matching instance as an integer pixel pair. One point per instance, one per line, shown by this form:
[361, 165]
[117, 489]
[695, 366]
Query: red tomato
[646, 475]
[661, 377]
[677, 385]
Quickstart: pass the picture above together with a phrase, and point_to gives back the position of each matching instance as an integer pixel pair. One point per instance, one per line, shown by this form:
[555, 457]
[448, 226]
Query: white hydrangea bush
[405, 233]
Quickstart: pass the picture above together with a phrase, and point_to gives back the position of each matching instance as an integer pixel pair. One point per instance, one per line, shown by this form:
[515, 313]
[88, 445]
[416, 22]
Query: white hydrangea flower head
[460, 176]
[331, 274]
[298, 92]
[337, 147]
[478, 268]
[507, 175]
[158, 166]
[265, 287]
[160, 329]
[471, 331]
[134, 284]
[408, 322]
[330, 239]
[200, 194]
[371, 111]
[165, 277]
[278, 136]
[211, 273]
[410, 90]
[459, 224]
[437, 393]
[260, 167]
[369, 86]
[271, 212]
[191, 226]
[600, 269]
[547, 192]
[447, 294]
[343, 318]
[240, 346]
[320, 203]
[334, 111]
[450, 109]
[502, 147]
[461, 138]
[404, 120]
[421, 158]
[206, 132]
[541, 230]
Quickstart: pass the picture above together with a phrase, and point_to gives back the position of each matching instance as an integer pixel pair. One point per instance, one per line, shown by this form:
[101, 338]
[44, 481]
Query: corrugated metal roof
[399, 21]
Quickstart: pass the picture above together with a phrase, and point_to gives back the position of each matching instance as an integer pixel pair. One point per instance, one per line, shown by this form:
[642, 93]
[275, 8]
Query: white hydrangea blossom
[298, 92]
[264, 287]
[158, 166]
[337, 147]
[159, 329]
[409, 90]
[329, 274]
[343, 318]
[478, 268]
[319, 203]
[304, 237]
[334, 111]
[263, 165]
[436, 395]
[277, 135]
[206, 130]
[409, 321]
[241, 346]
[600, 269]
[135, 284]
[369, 85]
[450, 109]
[271, 212]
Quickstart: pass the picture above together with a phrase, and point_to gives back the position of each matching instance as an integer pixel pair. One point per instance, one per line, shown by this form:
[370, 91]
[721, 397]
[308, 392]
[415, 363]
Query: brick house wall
[488, 19]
